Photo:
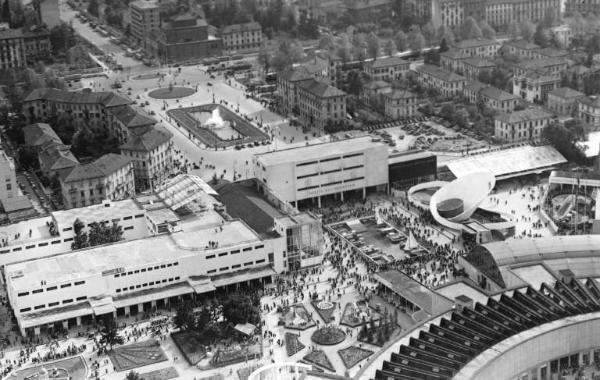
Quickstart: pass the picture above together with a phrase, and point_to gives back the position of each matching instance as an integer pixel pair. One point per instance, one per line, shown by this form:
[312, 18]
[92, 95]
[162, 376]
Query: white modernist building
[191, 246]
[318, 170]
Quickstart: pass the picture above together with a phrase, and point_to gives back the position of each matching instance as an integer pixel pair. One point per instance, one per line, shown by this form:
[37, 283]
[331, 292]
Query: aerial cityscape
[299, 189]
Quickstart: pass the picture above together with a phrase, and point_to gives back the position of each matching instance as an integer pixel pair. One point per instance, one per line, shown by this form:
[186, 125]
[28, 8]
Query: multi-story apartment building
[38, 136]
[387, 69]
[109, 177]
[582, 7]
[548, 66]
[521, 48]
[151, 153]
[124, 121]
[498, 13]
[241, 37]
[564, 100]
[287, 88]
[451, 60]
[478, 47]
[374, 89]
[447, 83]
[144, 18]
[472, 67]
[498, 99]
[185, 37]
[526, 125]
[18, 47]
[472, 90]
[400, 103]
[56, 159]
[320, 104]
[588, 110]
[534, 87]
[368, 10]
[9, 188]
[86, 107]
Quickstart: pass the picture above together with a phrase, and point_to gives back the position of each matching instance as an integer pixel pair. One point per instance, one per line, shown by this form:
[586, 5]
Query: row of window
[329, 171]
[53, 304]
[51, 288]
[330, 159]
[148, 269]
[234, 252]
[147, 284]
[330, 184]
[236, 266]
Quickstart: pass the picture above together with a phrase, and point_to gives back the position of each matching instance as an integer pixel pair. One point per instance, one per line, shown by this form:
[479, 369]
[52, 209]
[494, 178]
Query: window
[247, 249]
[210, 257]
[212, 271]
[23, 294]
[236, 266]
[129, 273]
[51, 288]
[156, 267]
[165, 280]
[330, 159]
[222, 254]
[248, 263]
[65, 286]
[25, 310]
[118, 290]
[55, 242]
[77, 283]
[177, 278]
[169, 265]
[143, 269]
[150, 269]
[235, 252]
[144, 285]
[259, 246]
[68, 239]
[67, 301]
[176, 263]
[260, 261]
[138, 286]
[42, 244]
[306, 163]
[37, 291]
[163, 266]
[51, 304]
[139, 216]
[128, 218]
[39, 307]
[131, 287]
[151, 283]
[128, 228]
[81, 298]
[67, 229]
[136, 271]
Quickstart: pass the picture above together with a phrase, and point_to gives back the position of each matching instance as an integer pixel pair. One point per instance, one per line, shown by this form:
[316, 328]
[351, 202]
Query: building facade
[400, 103]
[526, 125]
[534, 87]
[241, 37]
[564, 100]
[144, 18]
[387, 69]
[152, 154]
[479, 47]
[588, 110]
[109, 177]
[9, 188]
[447, 83]
[320, 104]
[314, 171]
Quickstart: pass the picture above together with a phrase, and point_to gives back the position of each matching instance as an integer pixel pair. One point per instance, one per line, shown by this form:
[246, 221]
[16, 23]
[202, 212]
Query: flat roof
[128, 254]
[418, 294]
[508, 161]
[100, 212]
[461, 288]
[317, 151]
[535, 275]
[410, 155]
[38, 227]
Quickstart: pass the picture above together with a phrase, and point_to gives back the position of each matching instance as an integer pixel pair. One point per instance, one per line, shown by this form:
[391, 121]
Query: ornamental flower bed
[292, 344]
[319, 358]
[296, 317]
[325, 309]
[136, 355]
[352, 355]
[356, 314]
[328, 336]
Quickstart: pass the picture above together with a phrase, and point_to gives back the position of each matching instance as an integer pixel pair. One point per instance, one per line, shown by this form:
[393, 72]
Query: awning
[241, 276]
[148, 295]
[55, 315]
[203, 286]
[246, 328]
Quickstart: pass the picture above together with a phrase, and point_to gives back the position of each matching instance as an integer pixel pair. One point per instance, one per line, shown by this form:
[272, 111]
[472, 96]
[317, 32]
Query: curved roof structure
[440, 349]
[471, 189]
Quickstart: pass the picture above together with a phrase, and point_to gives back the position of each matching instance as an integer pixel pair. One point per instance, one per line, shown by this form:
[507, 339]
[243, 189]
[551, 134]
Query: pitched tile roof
[106, 98]
[454, 54]
[566, 92]
[295, 74]
[474, 86]
[237, 28]
[474, 42]
[148, 141]
[400, 94]
[58, 157]
[478, 62]
[102, 167]
[387, 62]
[130, 117]
[39, 134]
[435, 71]
[320, 89]
[522, 44]
[524, 115]
[498, 94]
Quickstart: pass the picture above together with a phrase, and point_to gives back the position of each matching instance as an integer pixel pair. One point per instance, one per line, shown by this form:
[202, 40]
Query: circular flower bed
[328, 336]
[171, 93]
[325, 305]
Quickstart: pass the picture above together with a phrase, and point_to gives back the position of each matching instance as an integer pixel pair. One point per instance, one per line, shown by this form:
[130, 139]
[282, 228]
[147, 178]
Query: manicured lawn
[136, 355]
[189, 344]
[73, 369]
[292, 344]
[352, 355]
[319, 358]
[161, 374]
[174, 93]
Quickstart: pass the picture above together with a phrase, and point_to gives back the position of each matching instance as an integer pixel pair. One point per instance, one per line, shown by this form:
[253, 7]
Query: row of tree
[98, 234]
